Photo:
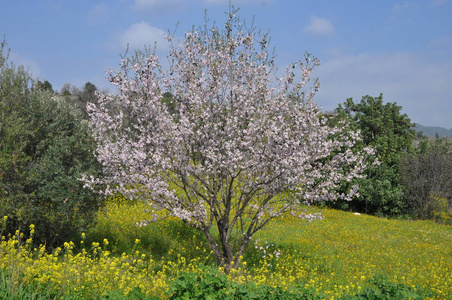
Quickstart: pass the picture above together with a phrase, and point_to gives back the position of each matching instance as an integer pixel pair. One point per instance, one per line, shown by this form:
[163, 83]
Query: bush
[45, 146]
[43, 187]
[427, 179]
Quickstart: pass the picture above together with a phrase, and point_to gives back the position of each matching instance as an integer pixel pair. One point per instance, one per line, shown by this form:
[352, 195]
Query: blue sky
[402, 49]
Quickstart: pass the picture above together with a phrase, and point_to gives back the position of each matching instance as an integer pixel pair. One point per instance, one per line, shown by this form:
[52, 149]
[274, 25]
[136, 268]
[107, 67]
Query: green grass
[346, 250]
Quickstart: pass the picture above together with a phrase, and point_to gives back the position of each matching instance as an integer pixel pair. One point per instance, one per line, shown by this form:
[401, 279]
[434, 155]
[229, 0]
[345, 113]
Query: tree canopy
[386, 129]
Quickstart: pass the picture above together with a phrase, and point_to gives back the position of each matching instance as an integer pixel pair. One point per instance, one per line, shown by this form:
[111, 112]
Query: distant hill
[431, 131]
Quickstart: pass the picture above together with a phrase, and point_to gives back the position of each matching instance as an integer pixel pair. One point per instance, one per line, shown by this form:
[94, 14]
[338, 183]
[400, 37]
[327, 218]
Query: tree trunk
[224, 253]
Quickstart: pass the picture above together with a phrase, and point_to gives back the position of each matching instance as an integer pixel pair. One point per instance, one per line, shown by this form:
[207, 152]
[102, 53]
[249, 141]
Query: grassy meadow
[343, 256]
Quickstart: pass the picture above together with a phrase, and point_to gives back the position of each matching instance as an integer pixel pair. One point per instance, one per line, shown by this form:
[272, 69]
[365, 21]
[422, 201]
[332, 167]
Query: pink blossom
[238, 148]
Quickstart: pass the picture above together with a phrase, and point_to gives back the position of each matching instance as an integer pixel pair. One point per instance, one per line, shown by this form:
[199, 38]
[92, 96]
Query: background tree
[86, 95]
[427, 178]
[44, 86]
[66, 89]
[45, 146]
[80, 97]
[384, 128]
[74, 90]
[231, 149]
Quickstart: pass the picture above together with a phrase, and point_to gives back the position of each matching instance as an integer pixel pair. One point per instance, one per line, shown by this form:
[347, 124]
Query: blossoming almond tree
[233, 149]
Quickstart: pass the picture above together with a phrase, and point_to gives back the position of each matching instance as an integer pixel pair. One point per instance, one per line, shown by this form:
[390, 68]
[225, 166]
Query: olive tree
[45, 145]
[236, 148]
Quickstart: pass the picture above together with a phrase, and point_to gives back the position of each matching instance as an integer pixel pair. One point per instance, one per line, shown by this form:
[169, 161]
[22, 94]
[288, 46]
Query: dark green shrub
[45, 147]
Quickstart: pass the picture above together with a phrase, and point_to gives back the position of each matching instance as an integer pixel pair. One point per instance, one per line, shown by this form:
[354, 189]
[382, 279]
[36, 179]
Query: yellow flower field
[335, 256]
[338, 254]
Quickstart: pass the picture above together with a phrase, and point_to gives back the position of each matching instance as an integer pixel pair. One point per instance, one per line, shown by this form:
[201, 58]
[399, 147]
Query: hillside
[431, 130]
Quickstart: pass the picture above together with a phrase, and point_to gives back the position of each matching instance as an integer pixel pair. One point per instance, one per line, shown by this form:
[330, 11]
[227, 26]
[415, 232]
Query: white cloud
[423, 89]
[158, 5]
[142, 34]
[319, 27]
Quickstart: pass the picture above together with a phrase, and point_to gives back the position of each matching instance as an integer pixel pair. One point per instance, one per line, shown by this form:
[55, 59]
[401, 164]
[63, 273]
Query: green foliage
[44, 86]
[12, 288]
[79, 98]
[389, 132]
[212, 284]
[382, 289]
[379, 288]
[45, 146]
[16, 290]
[134, 294]
[170, 102]
[427, 179]
[88, 94]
